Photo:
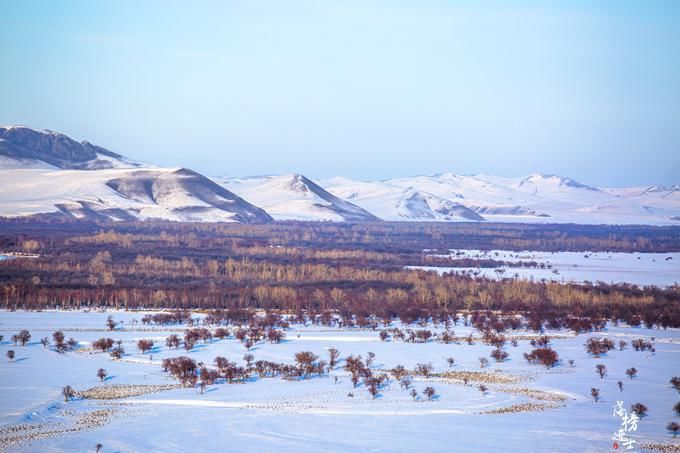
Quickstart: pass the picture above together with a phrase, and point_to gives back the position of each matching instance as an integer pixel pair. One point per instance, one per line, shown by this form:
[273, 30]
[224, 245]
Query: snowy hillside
[122, 194]
[26, 147]
[47, 172]
[295, 197]
[534, 198]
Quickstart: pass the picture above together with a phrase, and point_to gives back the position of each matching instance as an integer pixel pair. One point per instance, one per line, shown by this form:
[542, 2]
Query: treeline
[355, 239]
[180, 266]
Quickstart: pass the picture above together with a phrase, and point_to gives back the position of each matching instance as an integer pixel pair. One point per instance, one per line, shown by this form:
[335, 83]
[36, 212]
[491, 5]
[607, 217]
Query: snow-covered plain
[642, 269]
[315, 414]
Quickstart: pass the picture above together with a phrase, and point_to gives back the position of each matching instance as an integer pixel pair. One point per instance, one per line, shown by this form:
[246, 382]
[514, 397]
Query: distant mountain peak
[23, 143]
[559, 181]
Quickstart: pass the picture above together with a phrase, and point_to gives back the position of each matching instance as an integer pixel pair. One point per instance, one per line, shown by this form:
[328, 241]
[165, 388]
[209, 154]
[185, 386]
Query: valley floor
[527, 407]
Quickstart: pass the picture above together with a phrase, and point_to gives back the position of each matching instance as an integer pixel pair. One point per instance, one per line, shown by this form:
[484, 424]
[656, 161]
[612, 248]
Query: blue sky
[364, 89]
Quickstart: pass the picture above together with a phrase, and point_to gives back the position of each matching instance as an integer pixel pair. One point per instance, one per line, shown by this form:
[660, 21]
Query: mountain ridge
[44, 171]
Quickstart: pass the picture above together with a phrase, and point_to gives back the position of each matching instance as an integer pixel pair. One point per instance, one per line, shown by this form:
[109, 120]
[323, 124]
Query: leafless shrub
[601, 370]
[499, 355]
[639, 408]
[546, 356]
[103, 344]
[68, 393]
[429, 392]
[595, 393]
[673, 427]
[333, 355]
[145, 345]
[424, 368]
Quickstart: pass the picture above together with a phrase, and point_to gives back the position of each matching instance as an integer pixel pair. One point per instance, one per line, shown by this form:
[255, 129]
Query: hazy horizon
[365, 90]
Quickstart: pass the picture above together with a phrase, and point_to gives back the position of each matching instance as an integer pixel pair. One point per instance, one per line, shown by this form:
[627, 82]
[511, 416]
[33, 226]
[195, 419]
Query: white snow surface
[641, 269]
[33, 191]
[532, 198]
[315, 414]
[31, 187]
[292, 197]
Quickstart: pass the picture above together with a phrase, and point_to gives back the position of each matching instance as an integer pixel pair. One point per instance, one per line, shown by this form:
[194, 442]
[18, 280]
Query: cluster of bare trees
[103, 344]
[543, 355]
[22, 337]
[174, 317]
[598, 346]
[145, 345]
[349, 282]
[642, 345]
[60, 345]
[188, 372]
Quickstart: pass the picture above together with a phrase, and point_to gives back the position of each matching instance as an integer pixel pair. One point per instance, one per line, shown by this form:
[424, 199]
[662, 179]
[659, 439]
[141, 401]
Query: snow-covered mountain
[295, 197]
[42, 171]
[533, 198]
[26, 147]
[123, 194]
[45, 172]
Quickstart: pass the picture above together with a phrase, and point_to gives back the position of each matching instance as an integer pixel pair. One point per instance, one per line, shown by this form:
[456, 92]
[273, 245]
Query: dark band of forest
[317, 268]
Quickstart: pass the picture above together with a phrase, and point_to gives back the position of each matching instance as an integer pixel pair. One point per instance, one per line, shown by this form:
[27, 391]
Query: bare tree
[595, 393]
[98, 448]
[483, 362]
[429, 392]
[639, 408]
[370, 357]
[103, 344]
[450, 361]
[45, 342]
[117, 352]
[399, 372]
[221, 333]
[601, 370]
[673, 427]
[68, 393]
[675, 383]
[333, 355]
[405, 382]
[59, 344]
[499, 355]
[305, 361]
[24, 336]
[145, 345]
[110, 323]
[101, 374]
[676, 409]
[414, 394]
[10, 355]
[172, 341]
[620, 383]
[424, 368]
[631, 372]
[483, 388]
